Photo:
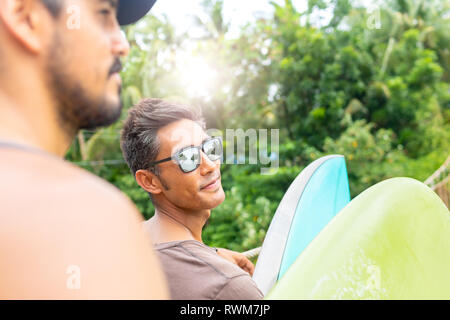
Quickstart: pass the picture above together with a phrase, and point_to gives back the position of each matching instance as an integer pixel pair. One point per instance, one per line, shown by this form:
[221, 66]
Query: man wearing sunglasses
[178, 164]
[65, 233]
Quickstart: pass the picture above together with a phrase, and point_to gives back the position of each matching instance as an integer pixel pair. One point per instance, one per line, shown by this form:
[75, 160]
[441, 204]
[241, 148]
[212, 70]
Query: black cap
[130, 11]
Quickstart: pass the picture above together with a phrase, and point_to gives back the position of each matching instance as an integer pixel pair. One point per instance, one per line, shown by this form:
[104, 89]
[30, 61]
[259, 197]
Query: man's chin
[106, 115]
[218, 199]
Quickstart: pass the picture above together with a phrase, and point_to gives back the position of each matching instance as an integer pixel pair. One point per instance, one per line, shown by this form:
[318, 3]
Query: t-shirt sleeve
[240, 288]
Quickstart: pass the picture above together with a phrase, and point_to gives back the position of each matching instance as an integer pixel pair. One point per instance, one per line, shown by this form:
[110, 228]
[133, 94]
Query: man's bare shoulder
[41, 180]
[60, 224]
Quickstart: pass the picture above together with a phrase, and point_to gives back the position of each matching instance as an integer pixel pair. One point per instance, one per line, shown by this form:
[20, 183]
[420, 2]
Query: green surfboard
[390, 242]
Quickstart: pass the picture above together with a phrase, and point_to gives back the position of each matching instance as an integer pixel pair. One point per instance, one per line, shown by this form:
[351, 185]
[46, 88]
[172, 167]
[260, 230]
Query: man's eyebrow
[113, 3]
[179, 148]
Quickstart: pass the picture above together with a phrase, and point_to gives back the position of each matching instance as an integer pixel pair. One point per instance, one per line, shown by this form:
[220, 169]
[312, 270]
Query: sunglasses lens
[189, 159]
[213, 149]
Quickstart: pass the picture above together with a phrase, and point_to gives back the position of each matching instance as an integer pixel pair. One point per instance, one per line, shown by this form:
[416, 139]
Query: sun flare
[197, 76]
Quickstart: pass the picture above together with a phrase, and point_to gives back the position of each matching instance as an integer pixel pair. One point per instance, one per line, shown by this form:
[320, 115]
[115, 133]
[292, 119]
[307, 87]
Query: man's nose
[207, 165]
[120, 45]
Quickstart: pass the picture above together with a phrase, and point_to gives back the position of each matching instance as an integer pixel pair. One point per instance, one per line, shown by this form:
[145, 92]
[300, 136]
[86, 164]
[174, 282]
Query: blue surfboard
[318, 193]
[325, 194]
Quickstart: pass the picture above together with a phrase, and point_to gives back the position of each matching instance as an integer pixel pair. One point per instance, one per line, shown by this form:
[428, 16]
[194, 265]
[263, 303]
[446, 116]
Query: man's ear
[148, 181]
[27, 22]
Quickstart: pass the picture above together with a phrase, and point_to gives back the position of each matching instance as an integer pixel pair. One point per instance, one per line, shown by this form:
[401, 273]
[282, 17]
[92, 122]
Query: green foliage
[140, 197]
[364, 151]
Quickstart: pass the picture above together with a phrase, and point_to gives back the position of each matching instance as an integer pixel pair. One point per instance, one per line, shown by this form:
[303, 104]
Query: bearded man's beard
[76, 107]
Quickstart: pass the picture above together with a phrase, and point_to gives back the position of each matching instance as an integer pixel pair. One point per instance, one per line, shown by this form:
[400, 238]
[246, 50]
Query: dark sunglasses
[189, 158]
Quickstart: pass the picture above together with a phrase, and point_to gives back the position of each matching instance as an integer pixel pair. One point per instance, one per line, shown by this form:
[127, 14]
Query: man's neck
[31, 120]
[171, 224]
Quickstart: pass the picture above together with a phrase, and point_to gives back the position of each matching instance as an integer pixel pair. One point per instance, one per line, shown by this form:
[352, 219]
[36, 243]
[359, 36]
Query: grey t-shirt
[196, 272]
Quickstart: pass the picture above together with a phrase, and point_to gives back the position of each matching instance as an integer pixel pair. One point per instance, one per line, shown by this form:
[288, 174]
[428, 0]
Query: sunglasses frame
[176, 155]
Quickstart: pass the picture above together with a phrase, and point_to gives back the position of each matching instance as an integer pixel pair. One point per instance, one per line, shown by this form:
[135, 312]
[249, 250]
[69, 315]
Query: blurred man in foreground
[178, 164]
[64, 233]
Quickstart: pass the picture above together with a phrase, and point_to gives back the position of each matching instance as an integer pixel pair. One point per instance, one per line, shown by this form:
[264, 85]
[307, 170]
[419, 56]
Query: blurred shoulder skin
[68, 234]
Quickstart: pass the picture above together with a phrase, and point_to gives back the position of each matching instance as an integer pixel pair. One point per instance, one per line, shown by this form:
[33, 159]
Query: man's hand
[237, 258]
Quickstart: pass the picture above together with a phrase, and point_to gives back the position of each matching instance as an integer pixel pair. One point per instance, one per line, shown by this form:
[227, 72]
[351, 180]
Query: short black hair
[139, 140]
